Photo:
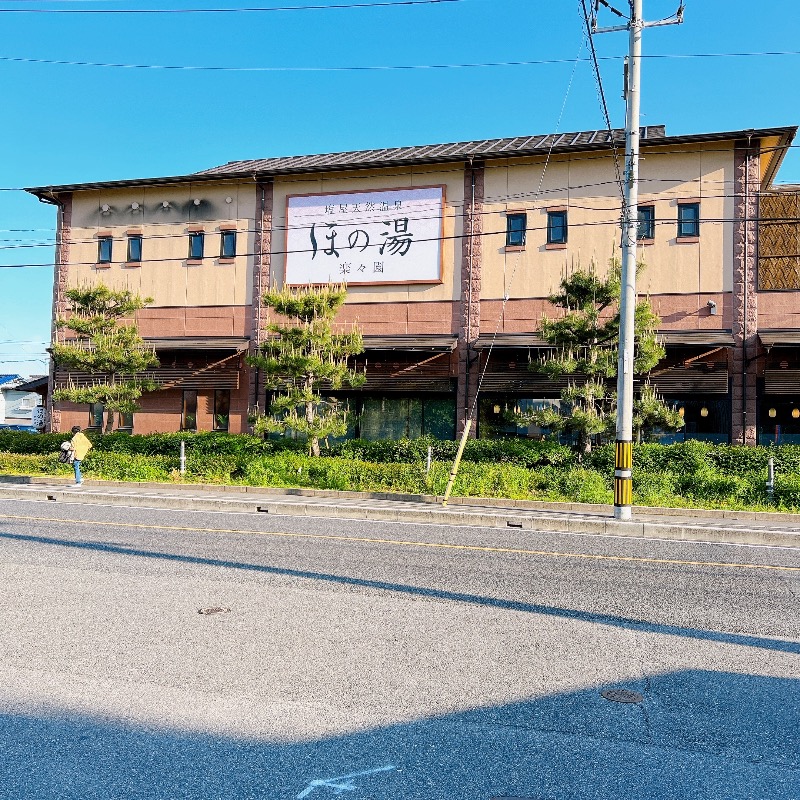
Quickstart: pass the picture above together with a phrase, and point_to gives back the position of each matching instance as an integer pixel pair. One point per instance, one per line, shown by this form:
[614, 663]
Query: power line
[237, 10]
[380, 68]
[454, 237]
[602, 95]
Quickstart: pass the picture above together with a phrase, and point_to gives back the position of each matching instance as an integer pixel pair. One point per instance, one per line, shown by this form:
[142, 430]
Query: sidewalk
[739, 527]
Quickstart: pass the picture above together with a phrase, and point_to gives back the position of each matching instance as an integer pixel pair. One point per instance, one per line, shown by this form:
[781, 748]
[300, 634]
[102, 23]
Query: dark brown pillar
[262, 265]
[469, 323]
[60, 286]
[747, 180]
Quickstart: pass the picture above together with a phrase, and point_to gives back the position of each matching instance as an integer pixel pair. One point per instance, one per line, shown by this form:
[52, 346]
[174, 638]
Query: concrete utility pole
[623, 460]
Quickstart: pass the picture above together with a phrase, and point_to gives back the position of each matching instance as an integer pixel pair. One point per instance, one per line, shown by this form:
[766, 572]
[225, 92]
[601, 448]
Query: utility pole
[623, 451]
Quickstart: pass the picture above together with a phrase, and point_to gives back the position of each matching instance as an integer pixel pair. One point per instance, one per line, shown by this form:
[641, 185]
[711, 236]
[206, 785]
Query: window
[556, 227]
[125, 421]
[104, 249]
[647, 222]
[222, 409]
[134, 248]
[196, 245]
[227, 246]
[96, 411]
[688, 220]
[189, 410]
[515, 230]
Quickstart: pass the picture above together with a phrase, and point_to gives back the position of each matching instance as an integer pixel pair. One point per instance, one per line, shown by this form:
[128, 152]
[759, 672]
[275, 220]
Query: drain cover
[622, 696]
[213, 610]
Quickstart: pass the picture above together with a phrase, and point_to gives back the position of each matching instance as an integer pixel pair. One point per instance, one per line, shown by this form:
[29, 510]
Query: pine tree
[112, 351]
[303, 355]
[585, 343]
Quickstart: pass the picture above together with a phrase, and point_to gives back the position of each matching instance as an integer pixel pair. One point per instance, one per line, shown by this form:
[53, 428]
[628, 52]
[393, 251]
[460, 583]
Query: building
[449, 252]
[17, 401]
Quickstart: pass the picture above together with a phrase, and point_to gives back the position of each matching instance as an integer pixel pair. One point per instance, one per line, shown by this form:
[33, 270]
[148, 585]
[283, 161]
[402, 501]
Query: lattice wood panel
[779, 241]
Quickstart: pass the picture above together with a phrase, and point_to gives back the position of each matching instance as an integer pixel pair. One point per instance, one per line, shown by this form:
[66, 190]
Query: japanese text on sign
[384, 236]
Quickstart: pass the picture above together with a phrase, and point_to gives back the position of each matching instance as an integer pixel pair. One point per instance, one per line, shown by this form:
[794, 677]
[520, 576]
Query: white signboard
[384, 236]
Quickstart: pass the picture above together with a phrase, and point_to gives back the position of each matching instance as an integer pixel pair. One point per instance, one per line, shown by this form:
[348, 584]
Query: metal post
[183, 457]
[771, 478]
[623, 458]
[428, 463]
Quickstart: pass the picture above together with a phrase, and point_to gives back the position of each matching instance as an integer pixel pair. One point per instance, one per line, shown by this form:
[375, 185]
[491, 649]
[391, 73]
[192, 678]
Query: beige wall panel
[164, 274]
[586, 184]
[451, 176]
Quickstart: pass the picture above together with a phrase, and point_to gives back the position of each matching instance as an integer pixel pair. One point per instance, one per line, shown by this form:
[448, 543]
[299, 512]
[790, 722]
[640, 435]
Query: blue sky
[286, 93]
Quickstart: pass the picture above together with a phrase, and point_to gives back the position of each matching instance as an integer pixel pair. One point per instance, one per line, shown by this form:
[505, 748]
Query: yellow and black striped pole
[623, 484]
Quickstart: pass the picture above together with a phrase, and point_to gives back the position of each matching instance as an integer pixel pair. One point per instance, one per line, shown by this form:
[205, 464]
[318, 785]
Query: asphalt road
[387, 661]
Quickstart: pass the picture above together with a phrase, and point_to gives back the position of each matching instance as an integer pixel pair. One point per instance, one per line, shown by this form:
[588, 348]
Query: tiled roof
[518, 146]
[4, 379]
[486, 148]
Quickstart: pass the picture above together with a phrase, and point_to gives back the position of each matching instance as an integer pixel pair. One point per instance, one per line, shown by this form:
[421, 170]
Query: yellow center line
[408, 543]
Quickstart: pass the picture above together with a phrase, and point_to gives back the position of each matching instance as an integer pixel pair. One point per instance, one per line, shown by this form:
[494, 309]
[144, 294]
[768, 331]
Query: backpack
[66, 456]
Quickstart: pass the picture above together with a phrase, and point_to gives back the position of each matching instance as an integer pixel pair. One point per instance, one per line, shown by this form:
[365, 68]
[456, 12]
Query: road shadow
[696, 734]
[746, 640]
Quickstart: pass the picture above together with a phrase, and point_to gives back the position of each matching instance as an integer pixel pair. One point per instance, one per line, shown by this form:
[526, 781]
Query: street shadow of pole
[696, 734]
[746, 640]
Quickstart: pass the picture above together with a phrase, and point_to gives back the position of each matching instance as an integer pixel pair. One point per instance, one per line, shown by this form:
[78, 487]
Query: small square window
[515, 230]
[227, 245]
[647, 222]
[105, 247]
[688, 220]
[134, 248]
[196, 243]
[556, 227]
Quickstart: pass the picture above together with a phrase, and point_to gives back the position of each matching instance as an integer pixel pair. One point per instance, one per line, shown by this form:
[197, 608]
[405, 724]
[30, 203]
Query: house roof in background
[7, 379]
[33, 384]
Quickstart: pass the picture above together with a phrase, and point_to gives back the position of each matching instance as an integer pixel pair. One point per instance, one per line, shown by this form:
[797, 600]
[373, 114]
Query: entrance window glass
[222, 409]
[189, 411]
[125, 421]
[96, 413]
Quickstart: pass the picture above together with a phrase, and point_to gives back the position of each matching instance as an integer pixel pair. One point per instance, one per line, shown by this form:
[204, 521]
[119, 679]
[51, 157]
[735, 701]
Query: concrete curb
[762, 517]
[413, 509]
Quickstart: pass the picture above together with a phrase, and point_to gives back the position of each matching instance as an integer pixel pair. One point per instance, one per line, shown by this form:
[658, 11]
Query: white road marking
[341, 784]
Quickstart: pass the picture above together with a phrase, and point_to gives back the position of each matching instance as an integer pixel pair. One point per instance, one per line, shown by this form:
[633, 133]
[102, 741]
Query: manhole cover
[622, 696]
[213, 610]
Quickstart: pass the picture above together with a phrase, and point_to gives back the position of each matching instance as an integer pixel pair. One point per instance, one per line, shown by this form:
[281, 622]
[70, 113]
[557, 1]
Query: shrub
[787, 491]
[32, 464]
[39, 443]
[125, 467]
[521, 452]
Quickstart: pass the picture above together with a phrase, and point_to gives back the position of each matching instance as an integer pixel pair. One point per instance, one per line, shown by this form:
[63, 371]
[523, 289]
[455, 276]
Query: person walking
[80, 447]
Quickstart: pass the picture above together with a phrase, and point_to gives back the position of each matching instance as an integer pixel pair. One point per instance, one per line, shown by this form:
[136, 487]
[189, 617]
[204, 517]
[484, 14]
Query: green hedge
[521, 452]
[691, 474]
